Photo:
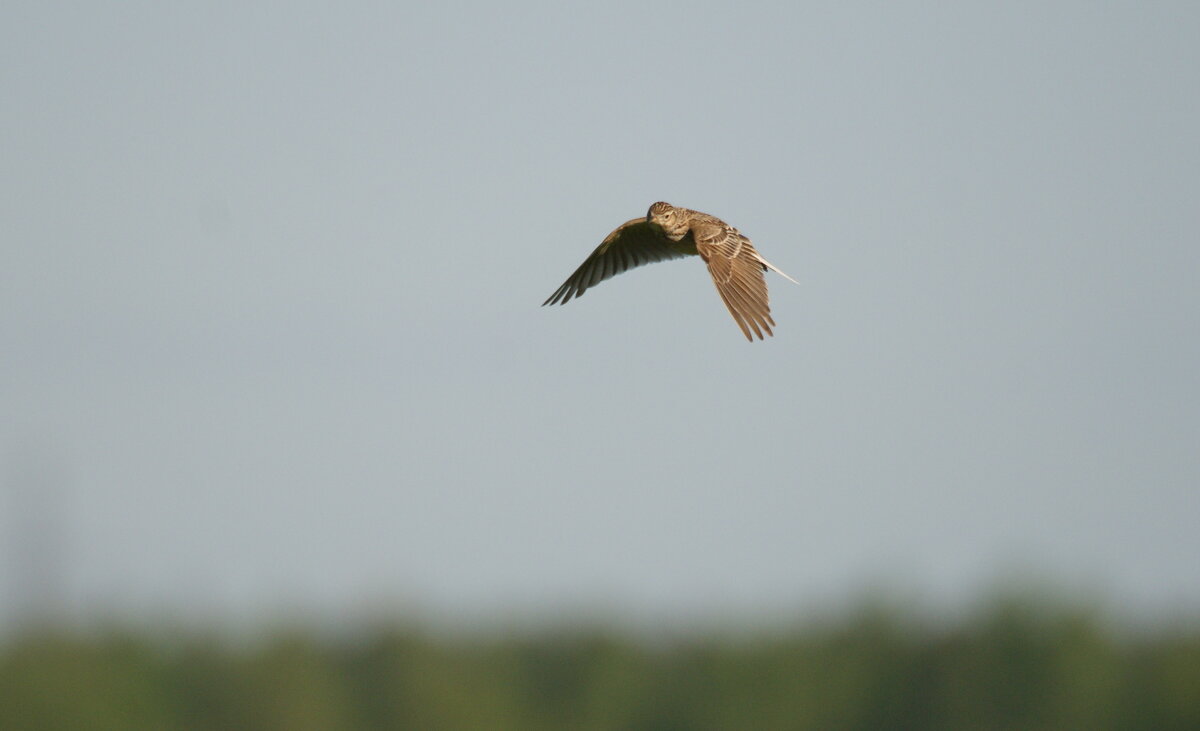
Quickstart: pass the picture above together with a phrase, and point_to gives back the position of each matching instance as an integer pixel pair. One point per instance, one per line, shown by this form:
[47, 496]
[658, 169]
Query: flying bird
[667, 232]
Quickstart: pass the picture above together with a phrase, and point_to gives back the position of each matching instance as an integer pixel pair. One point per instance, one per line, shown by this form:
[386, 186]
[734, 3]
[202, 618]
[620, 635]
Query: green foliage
[1013, 667]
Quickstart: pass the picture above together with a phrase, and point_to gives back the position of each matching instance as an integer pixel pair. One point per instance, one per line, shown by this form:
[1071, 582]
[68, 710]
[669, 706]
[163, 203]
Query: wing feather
[632, 244]
[737, 271]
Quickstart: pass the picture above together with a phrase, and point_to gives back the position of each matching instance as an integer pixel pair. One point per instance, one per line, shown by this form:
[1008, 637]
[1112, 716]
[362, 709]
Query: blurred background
[287, 442]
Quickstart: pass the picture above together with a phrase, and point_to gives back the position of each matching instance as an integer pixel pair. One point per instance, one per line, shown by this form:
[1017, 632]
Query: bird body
[668, 232]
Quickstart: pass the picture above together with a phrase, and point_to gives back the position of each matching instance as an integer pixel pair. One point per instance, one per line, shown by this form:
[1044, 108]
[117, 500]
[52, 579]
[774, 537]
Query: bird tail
[776, 269]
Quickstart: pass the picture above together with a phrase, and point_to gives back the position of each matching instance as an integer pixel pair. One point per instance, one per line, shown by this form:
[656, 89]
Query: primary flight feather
[668, 232]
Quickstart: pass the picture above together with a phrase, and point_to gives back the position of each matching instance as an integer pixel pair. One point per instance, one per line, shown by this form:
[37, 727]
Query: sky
[271, 339]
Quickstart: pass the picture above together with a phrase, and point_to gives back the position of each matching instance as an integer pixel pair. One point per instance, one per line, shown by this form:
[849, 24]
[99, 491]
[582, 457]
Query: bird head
[670, 218]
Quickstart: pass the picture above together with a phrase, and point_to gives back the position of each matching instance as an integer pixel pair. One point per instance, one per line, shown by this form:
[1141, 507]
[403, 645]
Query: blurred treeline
[1013, 666]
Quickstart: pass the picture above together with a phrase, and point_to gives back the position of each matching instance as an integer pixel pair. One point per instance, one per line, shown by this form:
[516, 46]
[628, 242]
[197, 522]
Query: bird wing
[737, 270]
[632, 244]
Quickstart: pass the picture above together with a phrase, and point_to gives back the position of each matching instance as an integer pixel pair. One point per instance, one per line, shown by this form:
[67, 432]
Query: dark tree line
[1013, 667]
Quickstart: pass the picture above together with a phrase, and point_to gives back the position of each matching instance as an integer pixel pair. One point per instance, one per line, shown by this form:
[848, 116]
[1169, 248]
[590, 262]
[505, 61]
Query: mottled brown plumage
[667, 232]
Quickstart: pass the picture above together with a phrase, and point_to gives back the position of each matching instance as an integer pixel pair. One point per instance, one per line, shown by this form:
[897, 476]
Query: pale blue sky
[271, 284]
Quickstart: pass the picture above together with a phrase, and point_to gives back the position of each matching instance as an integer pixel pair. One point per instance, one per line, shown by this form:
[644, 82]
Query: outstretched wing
[737, 270]
[634, 243]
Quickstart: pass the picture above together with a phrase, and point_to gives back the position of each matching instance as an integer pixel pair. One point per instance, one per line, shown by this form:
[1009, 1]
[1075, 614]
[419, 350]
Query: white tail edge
[777, 270]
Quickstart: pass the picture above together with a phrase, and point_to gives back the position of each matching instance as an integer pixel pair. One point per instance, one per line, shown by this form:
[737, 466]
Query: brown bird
[667, 232]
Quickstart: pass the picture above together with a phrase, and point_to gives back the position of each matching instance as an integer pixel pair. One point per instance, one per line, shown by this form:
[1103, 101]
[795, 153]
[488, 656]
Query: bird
[669, 232]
